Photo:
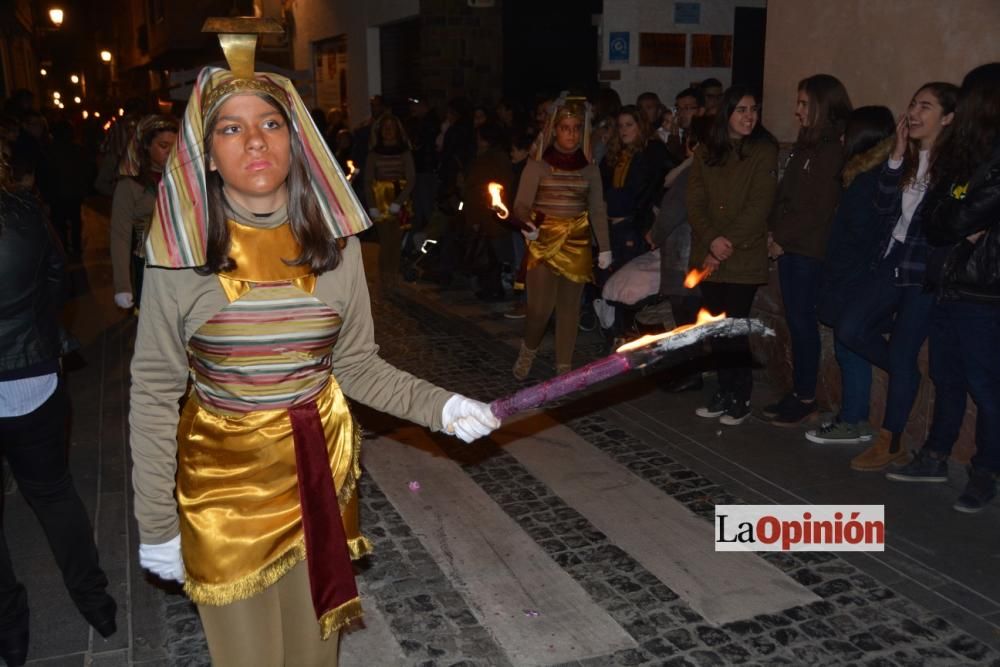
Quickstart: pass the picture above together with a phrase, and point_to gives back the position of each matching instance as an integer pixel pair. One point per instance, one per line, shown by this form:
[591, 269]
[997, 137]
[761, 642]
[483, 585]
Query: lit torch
[695, 276]
[496, 200]
[635, 354]
[352, 170]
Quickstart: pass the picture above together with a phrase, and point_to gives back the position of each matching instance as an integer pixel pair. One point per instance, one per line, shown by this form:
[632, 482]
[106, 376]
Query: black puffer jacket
[31, 288]
[960, 269]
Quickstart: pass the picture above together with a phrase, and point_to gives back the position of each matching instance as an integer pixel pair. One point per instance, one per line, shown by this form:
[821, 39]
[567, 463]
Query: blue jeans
[855, 383]
[799, 277]
[965, 358]
[904, 313]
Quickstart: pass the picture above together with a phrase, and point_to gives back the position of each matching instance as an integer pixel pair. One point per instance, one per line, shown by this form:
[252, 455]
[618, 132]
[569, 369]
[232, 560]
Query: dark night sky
[549, 46]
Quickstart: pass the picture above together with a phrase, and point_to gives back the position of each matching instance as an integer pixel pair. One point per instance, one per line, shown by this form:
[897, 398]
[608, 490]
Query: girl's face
[390, 133]
[160, 147]
[569, 132]
[926, 118]
[628, 129]
[744, 118]
[251, 150]
[802, 108]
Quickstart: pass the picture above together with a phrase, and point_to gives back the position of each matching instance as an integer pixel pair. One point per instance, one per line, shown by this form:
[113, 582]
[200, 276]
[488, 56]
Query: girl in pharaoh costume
[561, 200]
[255, 292]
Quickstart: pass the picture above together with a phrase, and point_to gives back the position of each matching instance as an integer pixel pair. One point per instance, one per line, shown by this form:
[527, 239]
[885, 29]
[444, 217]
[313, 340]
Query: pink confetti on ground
[414, 486]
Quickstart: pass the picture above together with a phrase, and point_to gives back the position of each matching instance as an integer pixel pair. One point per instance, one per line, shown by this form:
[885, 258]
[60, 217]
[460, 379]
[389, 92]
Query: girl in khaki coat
[729, 198]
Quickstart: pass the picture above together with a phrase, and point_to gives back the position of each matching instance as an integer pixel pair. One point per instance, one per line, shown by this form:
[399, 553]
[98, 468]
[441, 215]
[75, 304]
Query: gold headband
[238, 37]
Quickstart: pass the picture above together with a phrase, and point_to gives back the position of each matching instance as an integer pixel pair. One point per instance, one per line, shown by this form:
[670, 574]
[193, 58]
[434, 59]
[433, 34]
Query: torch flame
[496, 203]
[352, 170]
[704, 317]
[695, 276]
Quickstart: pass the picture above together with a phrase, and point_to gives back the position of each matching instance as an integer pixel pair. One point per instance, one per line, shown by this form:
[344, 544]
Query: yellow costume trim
[342, 616]
[248, 586]
[564, 245]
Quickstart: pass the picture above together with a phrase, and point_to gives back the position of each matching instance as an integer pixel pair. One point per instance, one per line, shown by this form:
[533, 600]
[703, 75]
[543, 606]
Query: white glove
[468, 419]
[374, 213]
[604, 259]
[530, 234]
[394, 208]
[163, 560]
[124, 300]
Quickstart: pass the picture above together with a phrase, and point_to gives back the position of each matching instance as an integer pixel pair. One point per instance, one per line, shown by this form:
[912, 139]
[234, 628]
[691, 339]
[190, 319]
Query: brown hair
[947, 96]
[616, 149]
[829, 107]
[320, 250]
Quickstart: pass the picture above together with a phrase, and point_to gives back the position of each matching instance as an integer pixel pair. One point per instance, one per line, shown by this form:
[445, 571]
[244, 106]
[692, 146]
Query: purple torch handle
[567, 383]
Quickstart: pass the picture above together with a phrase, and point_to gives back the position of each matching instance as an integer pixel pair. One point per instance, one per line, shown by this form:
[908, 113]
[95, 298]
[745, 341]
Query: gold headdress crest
[238, 38]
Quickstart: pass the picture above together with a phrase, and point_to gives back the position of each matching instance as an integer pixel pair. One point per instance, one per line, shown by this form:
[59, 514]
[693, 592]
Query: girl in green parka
[729, 197]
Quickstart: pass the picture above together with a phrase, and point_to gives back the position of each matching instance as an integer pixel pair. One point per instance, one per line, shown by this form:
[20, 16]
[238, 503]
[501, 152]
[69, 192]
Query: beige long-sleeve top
[390, 167]
[176, 302]
[131, 209]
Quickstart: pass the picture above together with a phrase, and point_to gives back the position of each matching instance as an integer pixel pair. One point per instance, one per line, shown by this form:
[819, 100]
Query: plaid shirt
[910, 261]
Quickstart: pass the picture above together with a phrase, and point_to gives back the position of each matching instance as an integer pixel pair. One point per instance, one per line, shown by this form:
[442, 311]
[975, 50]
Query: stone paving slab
[533, 609]
[667, 539]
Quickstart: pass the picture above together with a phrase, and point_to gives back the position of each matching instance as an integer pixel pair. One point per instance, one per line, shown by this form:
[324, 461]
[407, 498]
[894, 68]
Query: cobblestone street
[931, 599]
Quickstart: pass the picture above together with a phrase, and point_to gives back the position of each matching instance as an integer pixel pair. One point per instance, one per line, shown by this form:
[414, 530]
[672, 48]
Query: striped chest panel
[563, 194]
[269, 349]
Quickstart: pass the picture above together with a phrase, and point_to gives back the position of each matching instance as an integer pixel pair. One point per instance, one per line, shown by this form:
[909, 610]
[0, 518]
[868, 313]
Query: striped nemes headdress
[179, 232]
[131, 162]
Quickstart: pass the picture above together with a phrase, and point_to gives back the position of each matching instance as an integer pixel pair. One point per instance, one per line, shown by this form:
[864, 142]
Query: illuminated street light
[56, 95]
[97, 114]
[56, 16]
[106, 56]
[77, 99]
[74, 78]
[43, 72]
[121, 112]
[85, 114]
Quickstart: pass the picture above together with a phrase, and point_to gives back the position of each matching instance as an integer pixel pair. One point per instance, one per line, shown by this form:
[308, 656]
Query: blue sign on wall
[618, 47]
[687, 12]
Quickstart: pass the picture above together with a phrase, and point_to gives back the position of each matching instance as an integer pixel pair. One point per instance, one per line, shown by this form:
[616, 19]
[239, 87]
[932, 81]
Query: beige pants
[275, 628]
[548, 291]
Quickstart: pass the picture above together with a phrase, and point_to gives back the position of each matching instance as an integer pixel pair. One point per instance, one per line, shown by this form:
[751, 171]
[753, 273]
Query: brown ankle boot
[878, 456]
[562, 369]
[525, 358]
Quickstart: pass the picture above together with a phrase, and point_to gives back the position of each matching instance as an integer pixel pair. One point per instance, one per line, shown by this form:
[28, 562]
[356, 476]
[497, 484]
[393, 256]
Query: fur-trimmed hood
[870, 159]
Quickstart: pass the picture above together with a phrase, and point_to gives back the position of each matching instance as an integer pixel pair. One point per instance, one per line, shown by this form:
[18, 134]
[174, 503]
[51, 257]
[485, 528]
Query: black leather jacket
[960, 269]
[31, 288]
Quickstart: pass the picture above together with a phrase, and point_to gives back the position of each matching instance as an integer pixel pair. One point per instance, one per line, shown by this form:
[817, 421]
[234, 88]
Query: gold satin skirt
[238, 495]
[564, 244]
[385, 193]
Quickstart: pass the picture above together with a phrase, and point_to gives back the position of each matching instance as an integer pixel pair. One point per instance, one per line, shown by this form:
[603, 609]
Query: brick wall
[462, 50]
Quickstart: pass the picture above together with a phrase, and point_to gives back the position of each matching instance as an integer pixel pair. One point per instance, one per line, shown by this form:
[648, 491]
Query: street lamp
[106, 56]
[56, 16]
[43, 72]
[56, 95]
[77, 99]
[74, 78]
